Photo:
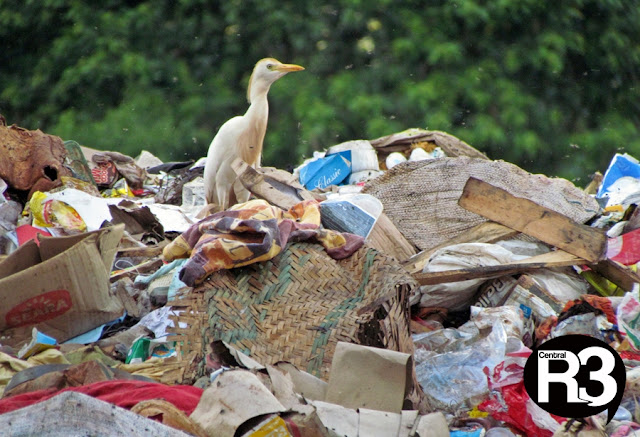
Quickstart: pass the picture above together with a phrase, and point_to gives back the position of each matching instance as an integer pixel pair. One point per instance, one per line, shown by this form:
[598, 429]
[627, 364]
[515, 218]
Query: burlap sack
[421, 198]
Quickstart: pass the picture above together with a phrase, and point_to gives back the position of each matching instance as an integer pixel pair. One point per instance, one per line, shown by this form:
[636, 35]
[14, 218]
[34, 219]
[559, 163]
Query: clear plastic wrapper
[451, 363]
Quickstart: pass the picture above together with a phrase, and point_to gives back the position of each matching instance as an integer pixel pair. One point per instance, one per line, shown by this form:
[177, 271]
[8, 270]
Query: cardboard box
[59, 285]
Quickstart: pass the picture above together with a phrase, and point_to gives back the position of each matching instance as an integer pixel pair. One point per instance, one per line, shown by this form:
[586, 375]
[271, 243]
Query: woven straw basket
[297, 306]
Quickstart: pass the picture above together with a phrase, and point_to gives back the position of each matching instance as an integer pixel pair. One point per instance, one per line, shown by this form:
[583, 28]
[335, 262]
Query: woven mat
[297, 306]
[421, 198]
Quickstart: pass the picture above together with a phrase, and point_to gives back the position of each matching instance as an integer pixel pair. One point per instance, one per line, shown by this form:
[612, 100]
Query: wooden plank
[386, 238]
[617, 273]
[269, 188]
[256, 184]
[534, 220]
[487, 232]
[557, 258]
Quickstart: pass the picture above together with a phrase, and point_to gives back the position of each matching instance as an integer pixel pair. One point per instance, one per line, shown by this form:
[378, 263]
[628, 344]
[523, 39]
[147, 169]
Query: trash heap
[387, 287]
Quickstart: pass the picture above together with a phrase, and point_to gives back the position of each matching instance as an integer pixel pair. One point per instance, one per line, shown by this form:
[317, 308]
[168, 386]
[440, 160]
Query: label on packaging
[330, 170]
[494, 293]
[271, 427]
[39, 308]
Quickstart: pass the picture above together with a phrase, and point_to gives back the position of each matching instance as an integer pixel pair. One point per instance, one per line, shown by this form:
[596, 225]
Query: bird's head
[267, 71]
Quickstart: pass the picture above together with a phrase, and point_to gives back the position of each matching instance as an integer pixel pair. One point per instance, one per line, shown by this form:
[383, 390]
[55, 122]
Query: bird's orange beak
[287, 68]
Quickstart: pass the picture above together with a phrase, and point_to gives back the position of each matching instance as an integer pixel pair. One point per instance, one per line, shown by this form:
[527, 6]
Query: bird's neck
[259, 108]
[255, 130]
[258, 90]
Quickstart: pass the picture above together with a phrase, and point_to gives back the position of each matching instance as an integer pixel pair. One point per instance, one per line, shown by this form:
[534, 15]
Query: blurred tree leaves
[550, 86]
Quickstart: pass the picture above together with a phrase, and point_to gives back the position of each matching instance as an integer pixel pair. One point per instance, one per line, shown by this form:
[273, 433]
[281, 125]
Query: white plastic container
[363, 155]
[394, 159]
[419, 154]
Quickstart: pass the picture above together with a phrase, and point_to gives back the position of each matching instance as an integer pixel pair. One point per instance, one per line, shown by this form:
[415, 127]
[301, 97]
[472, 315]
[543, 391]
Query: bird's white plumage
[242, 137]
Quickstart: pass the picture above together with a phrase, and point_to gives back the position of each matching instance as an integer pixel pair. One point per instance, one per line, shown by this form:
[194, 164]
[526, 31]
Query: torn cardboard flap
[243, 359]
[107, 241]
[283, 388]
[381, 380]
[342, 421]
[433, 425]
[59, 285]
[224, 406]
[408, 419]
[309, 386]
[378, 423]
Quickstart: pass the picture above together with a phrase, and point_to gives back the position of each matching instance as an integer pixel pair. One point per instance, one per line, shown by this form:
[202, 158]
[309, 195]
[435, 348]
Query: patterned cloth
[252, 232]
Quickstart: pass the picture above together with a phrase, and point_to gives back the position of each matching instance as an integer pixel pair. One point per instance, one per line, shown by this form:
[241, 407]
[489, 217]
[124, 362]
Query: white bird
[242, 137]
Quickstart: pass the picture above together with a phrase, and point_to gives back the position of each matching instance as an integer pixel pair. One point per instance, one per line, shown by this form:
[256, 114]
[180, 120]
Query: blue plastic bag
[620, 166]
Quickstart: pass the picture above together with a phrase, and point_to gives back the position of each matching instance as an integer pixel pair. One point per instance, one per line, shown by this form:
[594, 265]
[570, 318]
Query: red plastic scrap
[625, 249]
[508, 401]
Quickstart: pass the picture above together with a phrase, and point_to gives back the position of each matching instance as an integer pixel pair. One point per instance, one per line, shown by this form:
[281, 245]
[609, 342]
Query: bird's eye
[270, 66]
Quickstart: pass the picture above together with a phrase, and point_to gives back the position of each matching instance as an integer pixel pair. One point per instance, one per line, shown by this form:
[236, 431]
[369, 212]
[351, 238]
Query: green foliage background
[551, 86]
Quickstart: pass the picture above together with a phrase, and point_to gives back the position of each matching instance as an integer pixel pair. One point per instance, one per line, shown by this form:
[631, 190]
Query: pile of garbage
[388, 287]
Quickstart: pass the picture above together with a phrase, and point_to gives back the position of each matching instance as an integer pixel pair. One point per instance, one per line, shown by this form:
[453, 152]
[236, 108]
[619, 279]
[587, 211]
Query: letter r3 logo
[575, 376]
[545, 377]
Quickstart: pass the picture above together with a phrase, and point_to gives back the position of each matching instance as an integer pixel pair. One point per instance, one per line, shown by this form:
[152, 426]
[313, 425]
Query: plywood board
[534, 220]
[552, 259]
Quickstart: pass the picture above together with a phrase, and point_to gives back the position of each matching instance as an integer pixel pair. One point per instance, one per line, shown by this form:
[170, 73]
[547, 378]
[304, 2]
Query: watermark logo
[575, 376]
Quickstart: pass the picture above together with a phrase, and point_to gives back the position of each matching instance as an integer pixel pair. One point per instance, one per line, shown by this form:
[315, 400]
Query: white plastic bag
[459, 295]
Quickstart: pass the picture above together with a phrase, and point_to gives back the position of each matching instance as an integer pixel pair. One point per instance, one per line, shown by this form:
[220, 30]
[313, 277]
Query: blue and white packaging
[323, 172]
[621, 165]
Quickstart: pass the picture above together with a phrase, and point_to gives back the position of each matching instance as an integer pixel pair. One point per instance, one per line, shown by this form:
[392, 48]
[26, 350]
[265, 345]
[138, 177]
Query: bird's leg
[222, 197]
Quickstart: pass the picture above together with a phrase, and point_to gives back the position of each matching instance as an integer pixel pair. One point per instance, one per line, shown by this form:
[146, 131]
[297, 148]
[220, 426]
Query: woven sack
[405, 141]
[421, 198]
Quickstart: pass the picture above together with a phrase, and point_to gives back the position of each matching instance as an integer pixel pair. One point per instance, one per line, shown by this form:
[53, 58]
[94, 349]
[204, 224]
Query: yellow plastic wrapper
[70, 182]
[9, 366]
[153, 368]
[273, 426]
[120, 189]
[49, 356]
[614, 208]
[52, 212]
[602, 285]
[477, 414]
